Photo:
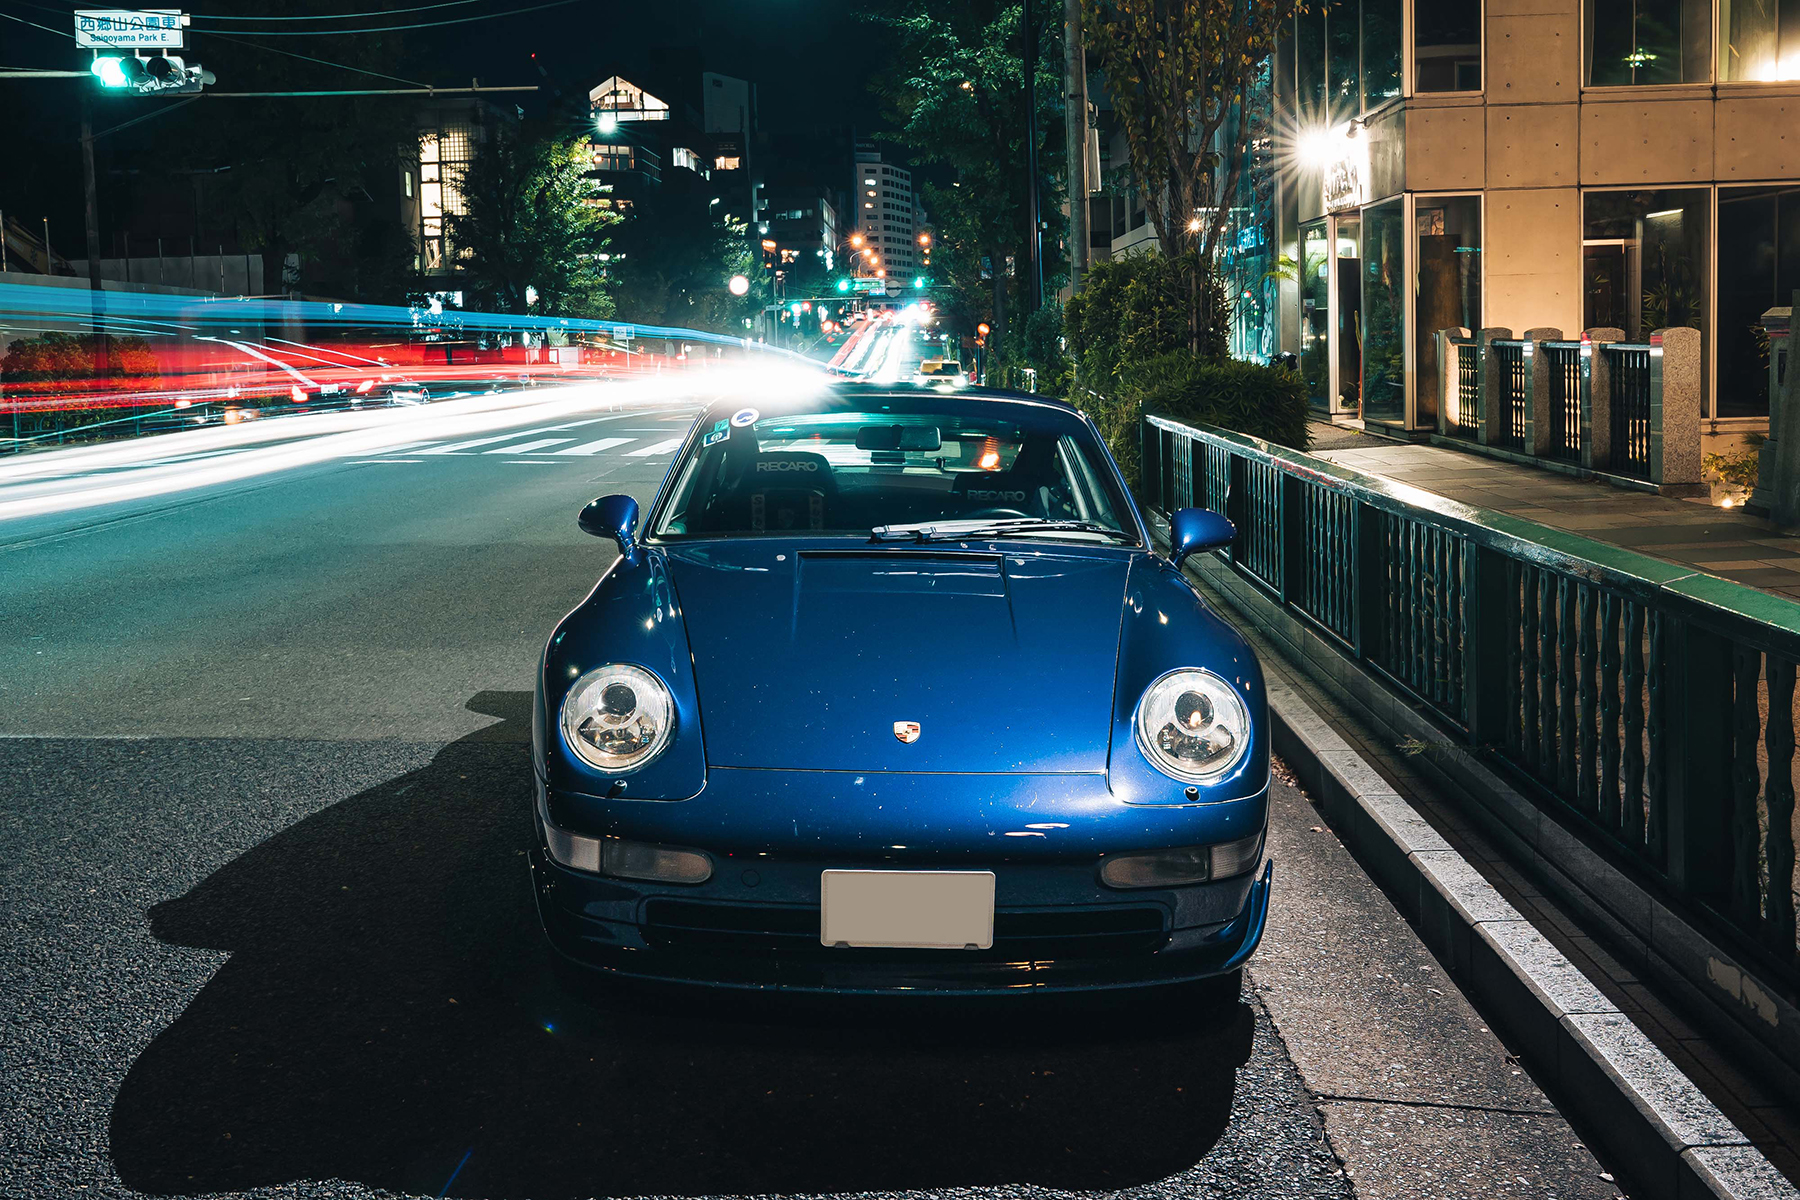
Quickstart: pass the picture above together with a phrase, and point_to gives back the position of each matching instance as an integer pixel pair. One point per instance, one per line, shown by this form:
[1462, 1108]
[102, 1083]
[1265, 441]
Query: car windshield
[973, 470]
[939, 367]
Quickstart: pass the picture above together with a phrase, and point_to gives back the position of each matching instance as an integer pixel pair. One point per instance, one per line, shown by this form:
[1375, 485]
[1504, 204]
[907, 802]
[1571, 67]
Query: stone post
[1490, 385]
[1537, 390]
[1675, 411]
[1776, 324]
[1596, 399]
[1448, 382]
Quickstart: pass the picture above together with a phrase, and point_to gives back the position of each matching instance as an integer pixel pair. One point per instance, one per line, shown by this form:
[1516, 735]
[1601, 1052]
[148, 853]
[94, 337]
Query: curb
[1673, 1141]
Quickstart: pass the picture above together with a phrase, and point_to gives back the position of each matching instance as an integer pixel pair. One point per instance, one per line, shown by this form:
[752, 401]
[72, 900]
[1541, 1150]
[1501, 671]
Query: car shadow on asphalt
[389, 1015]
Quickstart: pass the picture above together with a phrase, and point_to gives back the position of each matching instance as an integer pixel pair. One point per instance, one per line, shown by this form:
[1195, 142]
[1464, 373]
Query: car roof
[972, 399]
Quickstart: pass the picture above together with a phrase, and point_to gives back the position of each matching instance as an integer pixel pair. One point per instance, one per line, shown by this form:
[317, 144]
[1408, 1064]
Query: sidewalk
[1729, 543]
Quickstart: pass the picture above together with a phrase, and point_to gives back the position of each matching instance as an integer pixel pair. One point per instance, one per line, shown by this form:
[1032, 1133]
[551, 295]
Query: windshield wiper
[988, 527]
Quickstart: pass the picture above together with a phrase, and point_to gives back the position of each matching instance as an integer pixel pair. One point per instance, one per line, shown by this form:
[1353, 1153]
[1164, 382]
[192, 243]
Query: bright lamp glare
[739, 285]
[607, 122]
[1318, 147]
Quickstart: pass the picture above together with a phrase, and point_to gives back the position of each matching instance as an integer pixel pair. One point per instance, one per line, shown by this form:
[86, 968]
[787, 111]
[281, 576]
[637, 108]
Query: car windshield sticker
[744, 416]
[716, 436]
[720, 425]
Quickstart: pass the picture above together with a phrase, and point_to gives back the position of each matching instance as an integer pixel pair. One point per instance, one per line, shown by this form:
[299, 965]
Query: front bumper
[755, 923]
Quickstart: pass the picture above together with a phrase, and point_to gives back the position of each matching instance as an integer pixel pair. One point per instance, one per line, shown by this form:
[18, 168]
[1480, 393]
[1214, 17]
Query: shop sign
[1347, 172]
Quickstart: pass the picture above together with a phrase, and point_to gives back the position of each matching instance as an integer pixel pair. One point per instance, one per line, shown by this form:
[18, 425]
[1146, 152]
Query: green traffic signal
[919, 282]
[843, 285]
[113, 71]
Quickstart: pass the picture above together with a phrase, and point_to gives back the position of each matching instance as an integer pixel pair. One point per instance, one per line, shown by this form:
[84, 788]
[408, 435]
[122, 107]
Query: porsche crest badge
[907, 731]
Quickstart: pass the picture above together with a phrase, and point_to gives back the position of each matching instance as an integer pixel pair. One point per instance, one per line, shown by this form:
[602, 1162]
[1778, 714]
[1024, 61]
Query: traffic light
[159, 74]
[919, 281]
[843, 285]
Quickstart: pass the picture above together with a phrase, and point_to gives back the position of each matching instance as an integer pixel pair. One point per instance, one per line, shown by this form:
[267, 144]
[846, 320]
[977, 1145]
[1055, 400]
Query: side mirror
[613, 517]
[1192, 530]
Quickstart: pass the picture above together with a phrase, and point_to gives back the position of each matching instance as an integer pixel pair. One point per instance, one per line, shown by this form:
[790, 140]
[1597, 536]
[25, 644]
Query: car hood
[806, 659]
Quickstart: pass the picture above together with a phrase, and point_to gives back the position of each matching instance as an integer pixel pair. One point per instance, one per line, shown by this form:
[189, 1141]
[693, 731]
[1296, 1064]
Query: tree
[1178, 72]
[672, 264]
[531, 234]
[961, 103]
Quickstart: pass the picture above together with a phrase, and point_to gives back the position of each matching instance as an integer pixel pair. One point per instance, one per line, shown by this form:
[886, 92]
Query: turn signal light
[1183, 865]
[627, 860]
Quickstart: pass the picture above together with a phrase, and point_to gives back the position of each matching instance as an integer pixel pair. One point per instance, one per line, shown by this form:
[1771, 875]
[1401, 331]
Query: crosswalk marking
[587, 448]
[453, 447]
[528, 447]
[657, 448]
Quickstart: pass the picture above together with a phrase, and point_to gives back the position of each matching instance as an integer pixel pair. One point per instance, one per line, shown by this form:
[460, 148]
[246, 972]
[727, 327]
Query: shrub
[1267, 402]
[1135, 308]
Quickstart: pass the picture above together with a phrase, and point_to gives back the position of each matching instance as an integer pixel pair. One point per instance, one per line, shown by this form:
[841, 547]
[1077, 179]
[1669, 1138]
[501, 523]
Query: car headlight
[1192, 725]
[618, 718]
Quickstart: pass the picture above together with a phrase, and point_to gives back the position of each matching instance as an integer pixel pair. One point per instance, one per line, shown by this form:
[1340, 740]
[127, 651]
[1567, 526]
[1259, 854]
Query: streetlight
[739, 285]
[607, 123]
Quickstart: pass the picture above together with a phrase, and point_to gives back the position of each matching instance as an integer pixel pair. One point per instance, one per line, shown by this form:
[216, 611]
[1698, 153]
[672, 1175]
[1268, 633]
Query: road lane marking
[381, 462]
[528, 462]
[528, 447]
[587, 448]
[656, 448]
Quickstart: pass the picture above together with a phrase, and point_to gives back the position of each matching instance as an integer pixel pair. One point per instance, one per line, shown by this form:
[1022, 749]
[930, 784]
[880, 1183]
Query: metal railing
[1630, 372]
[1514, 395]
[1468, 389]
[1648, 705]
[1563, 361]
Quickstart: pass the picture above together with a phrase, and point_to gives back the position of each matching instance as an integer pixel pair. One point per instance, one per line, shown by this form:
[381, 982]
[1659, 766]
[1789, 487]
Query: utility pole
[102, 363]
[1034, 257]
[1075, 107]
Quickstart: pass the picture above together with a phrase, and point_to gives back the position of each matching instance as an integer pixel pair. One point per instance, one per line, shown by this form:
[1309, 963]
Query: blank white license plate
[928, 910]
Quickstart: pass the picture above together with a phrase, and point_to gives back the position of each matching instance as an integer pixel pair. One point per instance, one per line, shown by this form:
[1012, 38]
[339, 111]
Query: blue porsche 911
[892, 694]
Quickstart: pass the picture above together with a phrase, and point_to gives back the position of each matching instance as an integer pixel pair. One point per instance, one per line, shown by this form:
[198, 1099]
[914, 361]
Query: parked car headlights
[1191, 724]
[618, 718]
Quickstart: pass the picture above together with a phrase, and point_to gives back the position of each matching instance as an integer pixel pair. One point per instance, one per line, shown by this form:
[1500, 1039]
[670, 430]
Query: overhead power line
[226, 37]
[512, 12]
[389, 12]
[35, 25]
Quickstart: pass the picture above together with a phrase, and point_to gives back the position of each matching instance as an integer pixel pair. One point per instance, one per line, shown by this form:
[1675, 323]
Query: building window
[1637, 42]
[1759, 268]
[613, 158]
[1447, 290]
[728, 162]
[1447, 46]
[1760, 40]
[1315, 315]
[1384, 314]
[681, 156]
[1646, 260]
[1341, 74]
[1309, 65]
[1380, 52]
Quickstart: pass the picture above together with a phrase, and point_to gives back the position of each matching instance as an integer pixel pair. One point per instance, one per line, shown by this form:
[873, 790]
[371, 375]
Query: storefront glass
[1315, 315]
[1646, 260]
[1638, 42]
[1384, 315]
[1761, 40]
[1759, 268]
[1309, 63]
[1348, 320]
[1447, 46]
[1448, 263]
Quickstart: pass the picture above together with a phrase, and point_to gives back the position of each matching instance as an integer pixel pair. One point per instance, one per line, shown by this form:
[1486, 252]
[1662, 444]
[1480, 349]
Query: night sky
[810, 59]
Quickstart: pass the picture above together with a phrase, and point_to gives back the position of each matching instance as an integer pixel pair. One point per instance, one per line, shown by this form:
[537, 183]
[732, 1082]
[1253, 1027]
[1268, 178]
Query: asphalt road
[264, 805]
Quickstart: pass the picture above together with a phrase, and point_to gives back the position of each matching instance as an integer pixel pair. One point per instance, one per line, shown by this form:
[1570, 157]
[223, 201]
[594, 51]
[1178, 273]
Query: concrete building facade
[1525, 164]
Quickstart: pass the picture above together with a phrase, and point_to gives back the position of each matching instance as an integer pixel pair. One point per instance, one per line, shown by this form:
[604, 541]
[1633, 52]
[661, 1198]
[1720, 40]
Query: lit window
[728, 162]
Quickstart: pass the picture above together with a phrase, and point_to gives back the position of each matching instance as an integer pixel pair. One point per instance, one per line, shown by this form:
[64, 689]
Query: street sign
[869, 287]
[118, 28]
[893, 287]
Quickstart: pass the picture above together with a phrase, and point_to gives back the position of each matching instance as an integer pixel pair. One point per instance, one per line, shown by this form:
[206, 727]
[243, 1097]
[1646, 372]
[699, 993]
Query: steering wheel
[998, 512]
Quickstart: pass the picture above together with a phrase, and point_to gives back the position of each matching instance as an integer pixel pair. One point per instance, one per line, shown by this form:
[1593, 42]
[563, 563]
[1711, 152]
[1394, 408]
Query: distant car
[940, 372]
[894, 695]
